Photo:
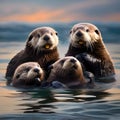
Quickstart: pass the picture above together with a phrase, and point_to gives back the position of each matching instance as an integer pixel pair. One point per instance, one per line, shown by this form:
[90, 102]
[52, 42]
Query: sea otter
[69, 72]
[86, 44]
[28, 74]
[41, 47]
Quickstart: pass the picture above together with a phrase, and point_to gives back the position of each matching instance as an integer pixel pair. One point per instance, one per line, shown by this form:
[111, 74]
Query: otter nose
[36, 70]
[79, 34]
[46, 38]
[73, 60]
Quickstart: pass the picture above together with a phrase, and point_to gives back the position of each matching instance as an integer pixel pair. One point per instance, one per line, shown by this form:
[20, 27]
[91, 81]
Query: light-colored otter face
[43, 38]
[28, 72]
[68, 71]
[84, 34]
[68, 64]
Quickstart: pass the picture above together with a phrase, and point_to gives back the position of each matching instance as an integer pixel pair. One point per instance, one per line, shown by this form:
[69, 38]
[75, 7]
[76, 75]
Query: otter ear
[30, 38]
[62, 61]
[50, 67]
[28, 43]
[17, 76]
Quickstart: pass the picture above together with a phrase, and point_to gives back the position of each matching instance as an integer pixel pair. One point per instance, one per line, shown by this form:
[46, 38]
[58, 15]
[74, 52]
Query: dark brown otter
[41, 47]
[87, 44]
[28, 74]
[69, 72]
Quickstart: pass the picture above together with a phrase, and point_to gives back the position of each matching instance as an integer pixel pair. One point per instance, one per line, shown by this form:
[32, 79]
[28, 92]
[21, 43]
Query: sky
[59, 10]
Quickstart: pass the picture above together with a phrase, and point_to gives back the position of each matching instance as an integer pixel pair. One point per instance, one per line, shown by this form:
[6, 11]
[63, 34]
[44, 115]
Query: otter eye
[70, 31]
[97, 32]
[27, 69]
[38, 35]
[51, 33]
[87, 30]
[17, 76]
[56, 33]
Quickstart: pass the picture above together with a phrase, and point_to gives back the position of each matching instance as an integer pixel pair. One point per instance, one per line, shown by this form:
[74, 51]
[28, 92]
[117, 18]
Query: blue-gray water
[60, 104]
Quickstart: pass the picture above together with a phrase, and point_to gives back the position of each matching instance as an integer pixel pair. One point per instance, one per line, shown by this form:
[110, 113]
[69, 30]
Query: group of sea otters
[39, 65]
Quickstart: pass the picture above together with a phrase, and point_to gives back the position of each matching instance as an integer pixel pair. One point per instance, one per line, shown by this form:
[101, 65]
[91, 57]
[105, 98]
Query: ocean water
[57, 104]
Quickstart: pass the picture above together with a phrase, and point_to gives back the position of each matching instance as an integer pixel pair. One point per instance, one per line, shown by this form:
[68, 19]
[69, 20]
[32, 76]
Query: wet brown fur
[24, 81]
[30, 54]
[71, 77]
[98, 51]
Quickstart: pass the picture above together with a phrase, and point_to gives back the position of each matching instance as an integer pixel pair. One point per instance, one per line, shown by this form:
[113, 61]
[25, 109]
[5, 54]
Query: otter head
[67, 64]
[70, 64]
[28, 74]
[43, 39]
[84, 34]
[67, 70]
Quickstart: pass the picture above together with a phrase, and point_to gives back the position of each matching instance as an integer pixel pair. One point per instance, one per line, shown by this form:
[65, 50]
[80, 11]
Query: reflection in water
[58, 104]
[39, 102]
[49, 101]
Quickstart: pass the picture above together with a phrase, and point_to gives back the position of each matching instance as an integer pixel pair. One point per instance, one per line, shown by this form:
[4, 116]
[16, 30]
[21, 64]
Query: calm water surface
[58, 104]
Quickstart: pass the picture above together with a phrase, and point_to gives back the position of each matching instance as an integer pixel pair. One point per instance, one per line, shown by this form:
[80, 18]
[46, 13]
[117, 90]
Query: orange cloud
[63, 14]
[71, 12]
[39, 16]
[112, 17]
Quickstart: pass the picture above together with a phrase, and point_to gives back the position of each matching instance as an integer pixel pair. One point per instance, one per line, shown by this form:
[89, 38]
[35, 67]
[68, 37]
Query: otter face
[71, 63]
[68, 71]
[27, 74]
[43, 38]
[68, 64]
[84, 34]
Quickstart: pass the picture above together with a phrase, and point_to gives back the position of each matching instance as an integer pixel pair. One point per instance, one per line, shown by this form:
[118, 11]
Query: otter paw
[56, 84]
[81, 57]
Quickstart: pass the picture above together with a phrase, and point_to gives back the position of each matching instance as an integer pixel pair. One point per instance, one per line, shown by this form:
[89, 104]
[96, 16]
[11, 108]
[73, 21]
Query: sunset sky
[59, 10]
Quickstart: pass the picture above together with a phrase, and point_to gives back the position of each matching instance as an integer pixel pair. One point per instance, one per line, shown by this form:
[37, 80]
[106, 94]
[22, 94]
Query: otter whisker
[34, 51]
[88, 45]
[91, 46]
[37, 50]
